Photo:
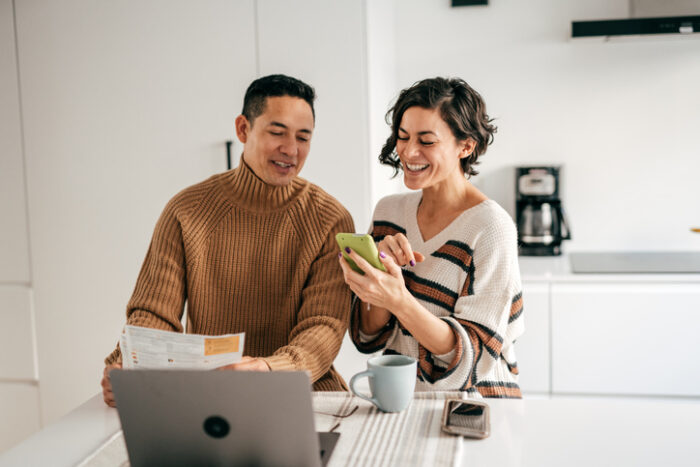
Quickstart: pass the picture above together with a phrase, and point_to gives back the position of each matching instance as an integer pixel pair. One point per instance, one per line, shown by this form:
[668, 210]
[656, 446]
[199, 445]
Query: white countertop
[535, 432]
[69, 440]
[558, 269]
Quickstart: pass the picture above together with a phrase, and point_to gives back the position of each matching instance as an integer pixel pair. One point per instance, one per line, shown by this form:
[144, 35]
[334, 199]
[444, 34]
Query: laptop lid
[181, 417]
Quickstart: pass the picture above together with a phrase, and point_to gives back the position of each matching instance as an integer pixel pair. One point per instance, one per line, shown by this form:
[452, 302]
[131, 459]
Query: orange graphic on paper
[214, 346]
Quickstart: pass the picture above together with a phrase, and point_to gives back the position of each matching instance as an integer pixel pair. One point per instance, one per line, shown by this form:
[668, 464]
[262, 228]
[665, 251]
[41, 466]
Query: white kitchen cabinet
[19, 396]
[532, 348]
[14, 251]
[17, 349]
[630, 338]
[19, 409]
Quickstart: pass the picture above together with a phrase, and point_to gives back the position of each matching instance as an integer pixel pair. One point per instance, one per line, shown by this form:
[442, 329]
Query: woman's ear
[242, 128]
[468, 146]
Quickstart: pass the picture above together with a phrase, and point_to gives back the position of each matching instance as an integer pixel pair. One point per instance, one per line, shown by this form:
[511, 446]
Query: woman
[451, 296]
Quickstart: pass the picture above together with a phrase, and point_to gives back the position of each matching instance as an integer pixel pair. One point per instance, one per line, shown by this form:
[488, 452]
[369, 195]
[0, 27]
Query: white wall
[322, 42]
[124, 105]
[621, 116]
[382, 91]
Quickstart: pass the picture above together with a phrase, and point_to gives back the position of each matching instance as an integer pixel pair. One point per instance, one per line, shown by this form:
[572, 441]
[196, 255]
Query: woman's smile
[415, 167]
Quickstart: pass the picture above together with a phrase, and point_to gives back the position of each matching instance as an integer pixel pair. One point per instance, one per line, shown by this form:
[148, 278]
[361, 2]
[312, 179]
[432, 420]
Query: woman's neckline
[428, 246]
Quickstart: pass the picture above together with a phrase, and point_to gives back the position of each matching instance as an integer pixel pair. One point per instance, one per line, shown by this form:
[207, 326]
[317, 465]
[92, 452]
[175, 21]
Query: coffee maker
[540, 218]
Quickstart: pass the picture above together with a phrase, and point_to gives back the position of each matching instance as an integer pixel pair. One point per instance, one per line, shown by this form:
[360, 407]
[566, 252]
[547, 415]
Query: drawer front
[17, 347]
[636, 339]
[532, 348]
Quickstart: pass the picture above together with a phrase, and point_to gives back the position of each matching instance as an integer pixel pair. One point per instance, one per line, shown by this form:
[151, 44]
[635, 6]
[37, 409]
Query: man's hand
[107, 393]
[247, 364]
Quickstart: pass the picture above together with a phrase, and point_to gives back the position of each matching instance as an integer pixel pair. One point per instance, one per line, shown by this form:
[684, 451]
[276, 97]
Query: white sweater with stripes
[470, 278]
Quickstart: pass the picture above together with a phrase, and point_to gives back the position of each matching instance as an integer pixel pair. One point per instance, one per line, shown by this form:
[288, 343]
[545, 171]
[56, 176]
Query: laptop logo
[216, 427]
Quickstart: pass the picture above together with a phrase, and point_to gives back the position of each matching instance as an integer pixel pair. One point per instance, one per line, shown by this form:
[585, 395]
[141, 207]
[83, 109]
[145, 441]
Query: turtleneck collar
[248, 190]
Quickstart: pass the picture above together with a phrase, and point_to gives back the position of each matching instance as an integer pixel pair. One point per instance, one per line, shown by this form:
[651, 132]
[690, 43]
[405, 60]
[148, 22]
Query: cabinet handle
[228, 154]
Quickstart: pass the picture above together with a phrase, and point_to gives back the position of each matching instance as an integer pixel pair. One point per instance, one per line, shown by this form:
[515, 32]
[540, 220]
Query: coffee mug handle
[369, 374]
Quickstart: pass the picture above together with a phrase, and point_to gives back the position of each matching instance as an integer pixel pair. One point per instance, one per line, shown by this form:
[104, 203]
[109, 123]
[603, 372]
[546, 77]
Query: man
[253, 249]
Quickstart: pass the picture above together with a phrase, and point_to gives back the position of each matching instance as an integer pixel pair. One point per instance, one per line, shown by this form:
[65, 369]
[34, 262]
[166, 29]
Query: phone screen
[466, 418]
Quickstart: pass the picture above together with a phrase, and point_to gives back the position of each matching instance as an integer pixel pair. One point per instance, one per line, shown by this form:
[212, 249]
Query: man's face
[278, 140]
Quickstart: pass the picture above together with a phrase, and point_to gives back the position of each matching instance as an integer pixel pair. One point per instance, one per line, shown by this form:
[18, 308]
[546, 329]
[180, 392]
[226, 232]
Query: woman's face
[429, 152]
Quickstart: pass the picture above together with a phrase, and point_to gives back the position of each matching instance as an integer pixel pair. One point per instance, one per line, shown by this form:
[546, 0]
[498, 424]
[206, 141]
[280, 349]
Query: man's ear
[243, 127]
[468, 146]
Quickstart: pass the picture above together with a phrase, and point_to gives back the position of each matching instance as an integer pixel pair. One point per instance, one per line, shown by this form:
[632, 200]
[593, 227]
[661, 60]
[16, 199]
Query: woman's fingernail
[412, 263]
[340, 255]
[347, 249]
[381, 253]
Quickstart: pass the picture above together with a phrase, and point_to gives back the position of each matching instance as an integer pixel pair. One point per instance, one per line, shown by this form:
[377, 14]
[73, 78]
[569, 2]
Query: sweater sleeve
[324, 313]
[377, 341]
[480, 319]
[160, 293]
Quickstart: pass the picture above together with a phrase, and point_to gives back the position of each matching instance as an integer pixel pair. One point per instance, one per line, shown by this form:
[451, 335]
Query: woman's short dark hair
[274, 86]
[460, 106]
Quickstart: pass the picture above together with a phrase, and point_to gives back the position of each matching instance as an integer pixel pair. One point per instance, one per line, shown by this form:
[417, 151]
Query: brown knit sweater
[254, 258]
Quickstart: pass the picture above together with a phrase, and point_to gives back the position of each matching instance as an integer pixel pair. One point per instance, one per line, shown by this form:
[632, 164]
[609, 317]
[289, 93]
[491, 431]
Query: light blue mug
[392, 380]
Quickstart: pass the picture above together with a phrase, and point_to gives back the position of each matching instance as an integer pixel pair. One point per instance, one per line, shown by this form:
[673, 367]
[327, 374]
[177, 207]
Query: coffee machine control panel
[537, 183]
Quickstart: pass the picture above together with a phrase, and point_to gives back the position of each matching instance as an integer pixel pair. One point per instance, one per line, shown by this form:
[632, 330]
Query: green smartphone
[363, 245]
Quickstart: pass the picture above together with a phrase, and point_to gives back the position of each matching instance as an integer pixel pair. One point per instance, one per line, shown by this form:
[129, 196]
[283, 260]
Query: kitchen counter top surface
[524, 433]
[558, 269]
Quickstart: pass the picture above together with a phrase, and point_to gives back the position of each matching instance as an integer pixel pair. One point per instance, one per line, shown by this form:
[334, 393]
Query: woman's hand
[398, 247]
[387, 291]
[382, 289]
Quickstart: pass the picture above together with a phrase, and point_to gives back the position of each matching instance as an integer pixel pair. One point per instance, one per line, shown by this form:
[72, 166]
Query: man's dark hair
[274, 86]
[460, 106]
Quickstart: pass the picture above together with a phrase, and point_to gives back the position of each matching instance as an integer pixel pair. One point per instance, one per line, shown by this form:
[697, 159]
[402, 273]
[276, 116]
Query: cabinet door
[17, 354]
[623, 338]
[532, 348]
[19, 406]
[14, 253]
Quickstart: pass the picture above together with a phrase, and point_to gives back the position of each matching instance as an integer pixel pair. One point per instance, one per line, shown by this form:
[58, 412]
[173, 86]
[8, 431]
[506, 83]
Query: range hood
[646, 17]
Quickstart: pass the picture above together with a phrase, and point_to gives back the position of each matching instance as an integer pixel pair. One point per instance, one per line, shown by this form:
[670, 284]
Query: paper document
[152, 348]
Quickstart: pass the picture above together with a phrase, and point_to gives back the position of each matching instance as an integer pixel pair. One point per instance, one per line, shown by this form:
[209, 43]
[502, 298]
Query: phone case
[363, 245]
[479, 427]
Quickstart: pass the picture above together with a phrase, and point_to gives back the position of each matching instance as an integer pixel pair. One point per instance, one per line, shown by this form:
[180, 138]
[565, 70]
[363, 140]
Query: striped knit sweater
[470, 278]
[249, 257]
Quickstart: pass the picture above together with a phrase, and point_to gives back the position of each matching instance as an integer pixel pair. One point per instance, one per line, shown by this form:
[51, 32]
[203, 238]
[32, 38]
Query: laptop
[212, 418]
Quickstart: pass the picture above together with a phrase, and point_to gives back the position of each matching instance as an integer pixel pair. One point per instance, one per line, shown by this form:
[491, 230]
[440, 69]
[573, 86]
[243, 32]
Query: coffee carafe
[542, 225]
